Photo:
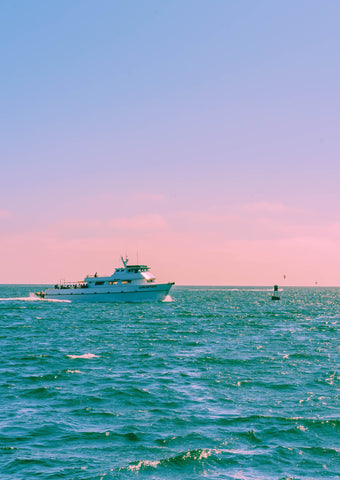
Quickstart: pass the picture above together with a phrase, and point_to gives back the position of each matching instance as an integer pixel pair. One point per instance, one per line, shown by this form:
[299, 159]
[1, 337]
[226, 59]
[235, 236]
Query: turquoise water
[220, 383]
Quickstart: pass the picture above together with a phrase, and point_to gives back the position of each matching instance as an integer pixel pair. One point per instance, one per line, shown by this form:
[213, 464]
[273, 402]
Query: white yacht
[130, 283]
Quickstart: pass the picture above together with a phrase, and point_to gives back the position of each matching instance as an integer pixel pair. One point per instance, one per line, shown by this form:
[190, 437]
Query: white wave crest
[143, 463]
[85, 355]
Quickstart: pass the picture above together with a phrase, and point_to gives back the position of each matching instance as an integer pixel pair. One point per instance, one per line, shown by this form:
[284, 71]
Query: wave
[40, 392]
[196, 456]
[85, 355]
[269, 427]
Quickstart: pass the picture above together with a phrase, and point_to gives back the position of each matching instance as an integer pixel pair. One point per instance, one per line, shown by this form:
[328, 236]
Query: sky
[198, 137]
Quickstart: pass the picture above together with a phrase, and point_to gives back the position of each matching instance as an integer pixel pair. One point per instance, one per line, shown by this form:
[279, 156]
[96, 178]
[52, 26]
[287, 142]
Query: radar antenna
[125, 261]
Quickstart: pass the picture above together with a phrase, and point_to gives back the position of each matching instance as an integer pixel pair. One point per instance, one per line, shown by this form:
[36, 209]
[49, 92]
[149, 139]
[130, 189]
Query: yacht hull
[143, 293]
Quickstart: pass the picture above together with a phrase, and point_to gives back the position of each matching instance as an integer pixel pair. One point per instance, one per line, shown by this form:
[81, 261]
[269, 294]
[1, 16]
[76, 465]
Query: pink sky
[202, 135]
[252, 244]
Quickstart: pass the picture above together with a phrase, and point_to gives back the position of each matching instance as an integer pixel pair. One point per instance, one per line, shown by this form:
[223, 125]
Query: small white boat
[130, 283]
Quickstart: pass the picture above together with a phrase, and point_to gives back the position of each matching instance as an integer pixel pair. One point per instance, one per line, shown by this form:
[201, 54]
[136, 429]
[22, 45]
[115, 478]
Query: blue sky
[150, 110]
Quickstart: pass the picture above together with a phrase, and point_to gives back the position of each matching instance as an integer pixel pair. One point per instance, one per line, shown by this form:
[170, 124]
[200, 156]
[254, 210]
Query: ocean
[219, 383]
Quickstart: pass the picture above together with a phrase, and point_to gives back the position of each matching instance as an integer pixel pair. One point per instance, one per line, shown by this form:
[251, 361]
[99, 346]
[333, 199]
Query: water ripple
[219, 383]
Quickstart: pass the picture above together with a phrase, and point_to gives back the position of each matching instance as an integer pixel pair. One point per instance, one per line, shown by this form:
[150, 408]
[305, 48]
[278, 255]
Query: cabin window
[113, 282]
[126, 281]
[99, 283]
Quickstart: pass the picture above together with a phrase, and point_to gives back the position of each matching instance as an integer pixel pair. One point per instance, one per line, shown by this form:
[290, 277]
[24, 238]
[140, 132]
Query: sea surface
[219, 383]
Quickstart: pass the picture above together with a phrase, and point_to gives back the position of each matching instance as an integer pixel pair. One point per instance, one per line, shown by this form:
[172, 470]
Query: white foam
[143, 463]
[167, 299]
[31, 298]
[207, 452]
[85, 355]
[55, 300]
[199, 454]
[241, 451]
[21, 299]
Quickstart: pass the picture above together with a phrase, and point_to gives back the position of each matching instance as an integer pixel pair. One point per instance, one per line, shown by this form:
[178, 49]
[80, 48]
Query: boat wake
[167, 299]
[32, 298]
